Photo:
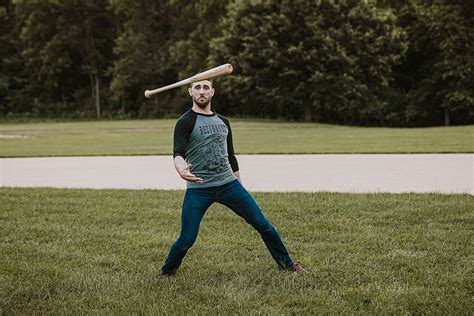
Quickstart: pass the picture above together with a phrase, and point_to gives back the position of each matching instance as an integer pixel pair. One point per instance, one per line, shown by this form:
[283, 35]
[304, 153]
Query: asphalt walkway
[440, 173]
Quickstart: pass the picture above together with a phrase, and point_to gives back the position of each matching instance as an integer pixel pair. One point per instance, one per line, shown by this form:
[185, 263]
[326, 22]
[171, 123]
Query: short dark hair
[191, 84]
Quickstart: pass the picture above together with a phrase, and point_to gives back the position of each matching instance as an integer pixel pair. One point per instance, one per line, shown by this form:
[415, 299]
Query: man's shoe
[297, 267]
[166, 275]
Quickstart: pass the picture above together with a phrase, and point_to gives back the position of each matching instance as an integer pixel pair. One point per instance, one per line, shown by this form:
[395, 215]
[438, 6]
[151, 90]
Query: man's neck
[206, 110]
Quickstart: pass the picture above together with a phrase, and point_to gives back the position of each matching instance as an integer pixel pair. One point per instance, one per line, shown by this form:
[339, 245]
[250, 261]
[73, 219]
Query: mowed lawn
[155, 137]
[100, 251]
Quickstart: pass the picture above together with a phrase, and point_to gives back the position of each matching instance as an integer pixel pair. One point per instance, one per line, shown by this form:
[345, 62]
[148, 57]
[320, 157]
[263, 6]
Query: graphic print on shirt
[214, 154]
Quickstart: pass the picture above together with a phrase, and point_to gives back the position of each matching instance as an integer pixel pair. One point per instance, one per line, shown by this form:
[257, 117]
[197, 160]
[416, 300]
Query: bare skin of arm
[237, 174]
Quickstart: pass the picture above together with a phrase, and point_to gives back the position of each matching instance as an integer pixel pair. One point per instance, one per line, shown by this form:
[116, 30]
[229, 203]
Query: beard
[202, 104]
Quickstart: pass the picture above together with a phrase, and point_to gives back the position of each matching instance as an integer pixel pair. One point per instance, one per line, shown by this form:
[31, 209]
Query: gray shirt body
[205, 142]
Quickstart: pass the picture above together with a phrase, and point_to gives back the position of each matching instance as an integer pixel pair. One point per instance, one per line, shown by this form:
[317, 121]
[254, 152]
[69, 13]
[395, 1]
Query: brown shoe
[297, 267]
[166, 275]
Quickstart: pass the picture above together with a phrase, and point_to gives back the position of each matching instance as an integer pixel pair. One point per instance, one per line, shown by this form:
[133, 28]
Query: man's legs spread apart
[236, 197]
[195, 204]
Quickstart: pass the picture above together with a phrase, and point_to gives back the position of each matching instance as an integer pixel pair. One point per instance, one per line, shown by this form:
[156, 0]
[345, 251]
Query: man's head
[201, 92]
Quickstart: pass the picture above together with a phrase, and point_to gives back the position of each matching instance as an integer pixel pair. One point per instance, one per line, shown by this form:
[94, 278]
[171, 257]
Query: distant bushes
[380, 63]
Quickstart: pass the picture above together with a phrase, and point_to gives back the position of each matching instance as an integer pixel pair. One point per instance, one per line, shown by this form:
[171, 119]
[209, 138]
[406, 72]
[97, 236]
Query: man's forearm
[237, 175]
[179, 163]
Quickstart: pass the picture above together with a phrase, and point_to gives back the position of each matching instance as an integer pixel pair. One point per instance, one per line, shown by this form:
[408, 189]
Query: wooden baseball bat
[208, 74]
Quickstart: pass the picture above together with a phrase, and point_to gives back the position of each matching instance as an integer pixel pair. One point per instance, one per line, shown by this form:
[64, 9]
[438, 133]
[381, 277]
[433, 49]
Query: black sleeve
[182, 131]
[230, 146]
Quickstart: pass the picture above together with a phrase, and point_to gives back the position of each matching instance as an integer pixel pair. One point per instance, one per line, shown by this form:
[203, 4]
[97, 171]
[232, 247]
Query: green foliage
[438, 71]
[295, 59]
[139, 53]
[64, 48]
[160, 42]
[373, 62]
[10, 64]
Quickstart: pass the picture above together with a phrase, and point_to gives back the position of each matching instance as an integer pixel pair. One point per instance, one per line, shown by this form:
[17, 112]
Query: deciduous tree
[323, 60]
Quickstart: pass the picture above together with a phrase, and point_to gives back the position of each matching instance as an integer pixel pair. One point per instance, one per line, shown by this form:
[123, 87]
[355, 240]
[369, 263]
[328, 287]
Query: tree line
[357, 62]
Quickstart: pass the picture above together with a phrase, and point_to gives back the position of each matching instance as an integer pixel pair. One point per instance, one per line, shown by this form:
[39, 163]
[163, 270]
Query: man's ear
[189, 91]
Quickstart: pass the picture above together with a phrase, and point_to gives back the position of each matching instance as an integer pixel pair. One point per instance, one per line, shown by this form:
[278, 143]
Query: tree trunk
[97, 96]
[308, 113]
[446, 117]
[91, 80]
[123, 105]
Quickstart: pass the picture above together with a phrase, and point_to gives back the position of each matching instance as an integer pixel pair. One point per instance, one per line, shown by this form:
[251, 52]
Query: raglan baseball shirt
[205, 142]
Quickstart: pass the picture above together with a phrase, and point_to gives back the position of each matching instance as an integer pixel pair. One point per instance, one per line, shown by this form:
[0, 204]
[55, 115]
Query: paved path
[445, 173]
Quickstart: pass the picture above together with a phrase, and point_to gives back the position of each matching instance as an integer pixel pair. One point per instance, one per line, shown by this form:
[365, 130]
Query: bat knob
[147, 93]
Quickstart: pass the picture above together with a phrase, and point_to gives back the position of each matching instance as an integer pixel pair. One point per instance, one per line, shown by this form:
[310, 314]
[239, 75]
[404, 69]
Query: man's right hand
[186, 174]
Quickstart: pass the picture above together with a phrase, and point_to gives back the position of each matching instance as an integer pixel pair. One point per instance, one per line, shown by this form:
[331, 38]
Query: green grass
[154, 137]
[100, 251]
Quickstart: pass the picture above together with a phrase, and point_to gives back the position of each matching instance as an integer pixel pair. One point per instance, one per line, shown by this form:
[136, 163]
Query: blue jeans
[234, 196]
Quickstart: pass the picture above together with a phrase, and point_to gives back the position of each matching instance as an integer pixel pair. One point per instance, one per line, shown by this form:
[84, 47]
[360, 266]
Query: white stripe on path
[421, 173]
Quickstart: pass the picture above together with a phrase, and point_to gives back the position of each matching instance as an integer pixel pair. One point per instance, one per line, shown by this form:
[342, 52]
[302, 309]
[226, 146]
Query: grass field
[99, 252]
[154, 137]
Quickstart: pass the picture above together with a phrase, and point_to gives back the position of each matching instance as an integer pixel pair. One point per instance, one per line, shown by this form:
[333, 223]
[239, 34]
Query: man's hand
[184, 170]
[188, 176]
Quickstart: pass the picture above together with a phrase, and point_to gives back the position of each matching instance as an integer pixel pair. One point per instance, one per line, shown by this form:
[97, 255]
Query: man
[204, 156]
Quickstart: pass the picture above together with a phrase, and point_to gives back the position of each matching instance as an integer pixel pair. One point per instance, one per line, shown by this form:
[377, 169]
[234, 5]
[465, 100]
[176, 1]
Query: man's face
[201, 92]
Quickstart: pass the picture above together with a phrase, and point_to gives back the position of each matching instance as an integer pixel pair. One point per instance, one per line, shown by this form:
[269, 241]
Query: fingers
[187, 169]
[188, 176]
[192, 178]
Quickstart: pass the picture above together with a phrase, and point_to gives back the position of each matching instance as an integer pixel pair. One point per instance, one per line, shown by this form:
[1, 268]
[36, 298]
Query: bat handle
[148, 93]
